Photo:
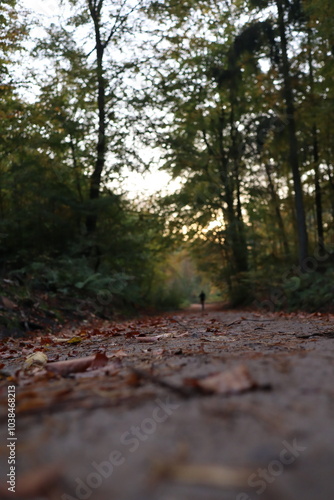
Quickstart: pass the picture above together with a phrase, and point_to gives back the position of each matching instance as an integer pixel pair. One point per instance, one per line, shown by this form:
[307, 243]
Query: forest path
[183, 406]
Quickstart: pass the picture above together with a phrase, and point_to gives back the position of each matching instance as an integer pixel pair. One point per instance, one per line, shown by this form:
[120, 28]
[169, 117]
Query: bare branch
[120, 21]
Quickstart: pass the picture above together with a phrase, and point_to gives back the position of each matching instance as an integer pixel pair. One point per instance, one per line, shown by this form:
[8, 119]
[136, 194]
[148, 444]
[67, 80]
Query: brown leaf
[120, 354]
[7, 303]
[235, 380]
[70, 365]
[31, 404]
[133, 379]
[220, 476]
[45, 340]
[98, 362]
[10, 354]
[37, 483]
[147, 339]
[109, 369]
[157, 352]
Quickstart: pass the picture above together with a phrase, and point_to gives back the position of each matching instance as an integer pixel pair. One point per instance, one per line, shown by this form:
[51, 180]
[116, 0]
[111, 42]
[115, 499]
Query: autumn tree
[232, 96]
[108, 27]
[90, 55]
[318, 109]
[200, 86]
[13, 33]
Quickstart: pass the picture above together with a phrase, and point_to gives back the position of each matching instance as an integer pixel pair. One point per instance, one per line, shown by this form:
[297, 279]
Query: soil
[144, 420]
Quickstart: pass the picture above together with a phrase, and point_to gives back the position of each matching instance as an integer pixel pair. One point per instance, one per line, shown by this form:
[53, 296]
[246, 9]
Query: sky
[142, 185]
[45, 7]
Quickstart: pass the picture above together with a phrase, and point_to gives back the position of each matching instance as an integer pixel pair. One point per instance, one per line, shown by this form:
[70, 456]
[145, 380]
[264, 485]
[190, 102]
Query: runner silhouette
[202, 298]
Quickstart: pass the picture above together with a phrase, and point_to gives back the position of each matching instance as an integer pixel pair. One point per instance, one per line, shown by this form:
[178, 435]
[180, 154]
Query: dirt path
[144, 421]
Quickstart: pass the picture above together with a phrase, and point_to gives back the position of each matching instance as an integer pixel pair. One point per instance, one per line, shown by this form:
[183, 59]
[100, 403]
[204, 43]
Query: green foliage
[228, 90]
[176, 282]
[278, 287]
[69, 275]
[210, 97]
[310, 292]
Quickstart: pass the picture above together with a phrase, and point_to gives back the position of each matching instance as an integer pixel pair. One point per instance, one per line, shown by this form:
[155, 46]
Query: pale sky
[45, 7]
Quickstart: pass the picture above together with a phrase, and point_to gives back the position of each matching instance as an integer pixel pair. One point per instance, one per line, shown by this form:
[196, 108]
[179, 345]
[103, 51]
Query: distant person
[202, 298]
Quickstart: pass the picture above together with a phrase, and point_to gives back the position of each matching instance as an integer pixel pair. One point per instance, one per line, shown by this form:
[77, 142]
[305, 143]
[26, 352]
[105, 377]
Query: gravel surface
[144, 428]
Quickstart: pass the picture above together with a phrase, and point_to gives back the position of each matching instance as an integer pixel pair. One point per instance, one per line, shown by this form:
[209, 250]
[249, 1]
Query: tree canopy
[233, 98]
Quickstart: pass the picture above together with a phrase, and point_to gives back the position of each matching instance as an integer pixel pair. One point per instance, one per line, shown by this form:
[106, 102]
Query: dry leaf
[158, 352]
[70, 365]
[92, 363]
[133, 379]
[219, 476]
[35, 484]
[110, 369]
[7, 303]
[29, 405]
[66, 340]
[165, 335]
[237, 379]
[120, 354]
[36, 359]
[74, 340]
[99, 361]
[147, 339]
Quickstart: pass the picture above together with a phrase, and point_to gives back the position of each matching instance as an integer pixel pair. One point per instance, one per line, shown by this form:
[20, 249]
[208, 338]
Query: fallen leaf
[99, 361]
[219, 476]
[133, 379]
[109, 369]
[120, 354]
[129, 335]
[10, 355]
[70, 365]
[7, 303]
[165, 335]
[45, 340]
[147, 339]
[36, 359]
[32, 404]
[237, 379]
[155, 352]
[92, 363]
[66, 340]
[39, 482]
[74, 340]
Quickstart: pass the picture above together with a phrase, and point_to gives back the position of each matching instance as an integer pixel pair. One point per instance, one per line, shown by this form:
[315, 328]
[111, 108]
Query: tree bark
[237, 223]
[318, 194]
[279, 217]
[95, 180]
[293, 142]
[234, 240]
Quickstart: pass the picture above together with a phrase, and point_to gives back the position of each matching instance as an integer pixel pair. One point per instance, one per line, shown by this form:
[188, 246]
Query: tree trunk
[237, 223]
[318, 194]
[238, 247]
[95, 180]
[279, 217]
[293, 142]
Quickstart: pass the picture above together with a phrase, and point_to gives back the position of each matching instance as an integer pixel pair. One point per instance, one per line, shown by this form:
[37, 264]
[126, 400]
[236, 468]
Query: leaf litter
[124, 370]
